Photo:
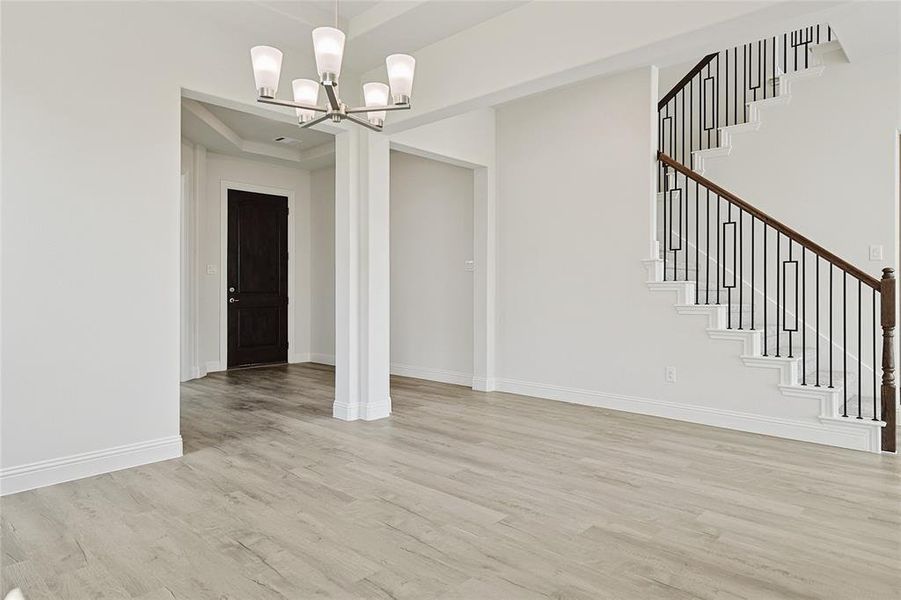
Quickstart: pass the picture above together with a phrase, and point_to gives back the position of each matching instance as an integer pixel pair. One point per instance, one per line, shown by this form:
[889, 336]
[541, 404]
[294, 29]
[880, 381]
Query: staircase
[823, 325]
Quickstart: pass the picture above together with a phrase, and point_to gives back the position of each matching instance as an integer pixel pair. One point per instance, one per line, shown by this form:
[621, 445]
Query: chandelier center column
[362, 276]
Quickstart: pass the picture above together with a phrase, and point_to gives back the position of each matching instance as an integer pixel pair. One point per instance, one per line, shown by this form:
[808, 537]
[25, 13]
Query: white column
[362, 309]
[484, 255]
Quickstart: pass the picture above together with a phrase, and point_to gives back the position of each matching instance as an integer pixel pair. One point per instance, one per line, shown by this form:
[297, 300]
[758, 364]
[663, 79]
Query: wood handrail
[682, 82]
[774, 223]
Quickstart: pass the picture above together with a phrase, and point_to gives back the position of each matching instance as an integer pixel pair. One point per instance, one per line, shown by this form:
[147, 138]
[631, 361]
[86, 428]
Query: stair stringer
[830, 429]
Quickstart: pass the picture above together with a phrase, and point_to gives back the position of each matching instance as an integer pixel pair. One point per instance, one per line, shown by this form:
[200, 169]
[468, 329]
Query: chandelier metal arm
[366, 109]
[290, 104]
[315, 121]
[333, 99]
[362, 122]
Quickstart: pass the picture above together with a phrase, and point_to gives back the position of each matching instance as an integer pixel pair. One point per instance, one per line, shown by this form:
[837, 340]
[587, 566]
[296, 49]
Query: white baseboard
[484, 384]
[212, 366]
[841, 435]
[346, 411]
[373, 411]
[299, 357]
[430, 374]
[77, 466]
[323, 359]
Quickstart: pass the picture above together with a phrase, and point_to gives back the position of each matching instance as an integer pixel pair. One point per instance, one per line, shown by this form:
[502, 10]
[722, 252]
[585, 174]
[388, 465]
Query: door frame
[224, 187]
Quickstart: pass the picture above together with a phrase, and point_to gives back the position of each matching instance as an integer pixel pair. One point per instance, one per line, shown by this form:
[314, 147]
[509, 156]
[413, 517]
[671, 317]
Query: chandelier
[328, 46]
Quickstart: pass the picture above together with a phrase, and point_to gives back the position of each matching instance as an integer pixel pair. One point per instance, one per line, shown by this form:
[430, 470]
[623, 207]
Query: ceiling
[374, 29]
[252, 136]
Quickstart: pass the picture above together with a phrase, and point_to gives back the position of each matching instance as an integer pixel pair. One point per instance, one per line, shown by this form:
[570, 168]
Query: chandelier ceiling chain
[328, 47]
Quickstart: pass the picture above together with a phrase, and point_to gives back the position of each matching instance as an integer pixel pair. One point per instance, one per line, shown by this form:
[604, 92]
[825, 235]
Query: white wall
[227, 168]
[576, 320]
[431, 292]
[91, 253]
[825, 164]
[467, 139]
[322, 265]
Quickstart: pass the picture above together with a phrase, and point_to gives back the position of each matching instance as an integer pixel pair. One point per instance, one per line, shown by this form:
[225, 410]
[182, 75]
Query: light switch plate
[469, 265]
[876, 253]
[211, 269]
[671, 374]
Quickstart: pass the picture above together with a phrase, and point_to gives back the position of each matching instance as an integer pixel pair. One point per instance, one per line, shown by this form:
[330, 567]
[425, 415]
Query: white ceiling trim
[378, 16]
[239, 143]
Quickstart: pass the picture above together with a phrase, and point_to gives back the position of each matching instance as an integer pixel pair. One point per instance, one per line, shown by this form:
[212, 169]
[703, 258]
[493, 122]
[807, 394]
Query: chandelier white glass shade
[267, 67]
[306, 91]
[375, 94]
[400, 76]
[328, 46]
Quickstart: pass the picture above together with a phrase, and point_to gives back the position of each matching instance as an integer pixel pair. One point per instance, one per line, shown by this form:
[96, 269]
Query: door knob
[232, 300]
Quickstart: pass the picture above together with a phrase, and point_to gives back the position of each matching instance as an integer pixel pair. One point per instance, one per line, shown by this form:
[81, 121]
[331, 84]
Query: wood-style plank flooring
[460, 495]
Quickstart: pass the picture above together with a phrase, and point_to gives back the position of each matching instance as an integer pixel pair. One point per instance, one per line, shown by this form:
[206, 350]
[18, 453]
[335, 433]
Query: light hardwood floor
[460, 495]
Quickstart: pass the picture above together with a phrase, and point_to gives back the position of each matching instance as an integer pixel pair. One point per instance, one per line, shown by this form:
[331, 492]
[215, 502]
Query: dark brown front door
[257, 278]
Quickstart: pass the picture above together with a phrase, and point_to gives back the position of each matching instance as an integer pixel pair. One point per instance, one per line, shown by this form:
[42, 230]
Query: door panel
[257, 278]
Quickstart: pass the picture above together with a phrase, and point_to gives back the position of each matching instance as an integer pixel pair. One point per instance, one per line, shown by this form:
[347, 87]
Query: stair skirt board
[828, 431]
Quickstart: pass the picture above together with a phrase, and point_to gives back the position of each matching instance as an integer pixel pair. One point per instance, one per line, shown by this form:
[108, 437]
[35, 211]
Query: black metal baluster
[723, 266]
[795, 36]
[778, 289]
[753, 289]
[719, 262]
[707, 272]
[806, 51]
[666, 233]
[741, 266]
[875, 412]
[697, 263]
[764, 291]
[859, 351]
[685, 242]
[831, 290]
[761, 67]
[691, 104]
[727, 87]
[735, 85]
[706, 102]
[817, 286]
[702, 95]
[682, 126]
[845, 341]
[784, 52]
[784, 304]
[744, 79]
[672, 135]
[716, 102]
[804, 314]
[775, 80]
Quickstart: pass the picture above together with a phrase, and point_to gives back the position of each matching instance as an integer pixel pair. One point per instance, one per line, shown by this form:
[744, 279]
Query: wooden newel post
[889, 403]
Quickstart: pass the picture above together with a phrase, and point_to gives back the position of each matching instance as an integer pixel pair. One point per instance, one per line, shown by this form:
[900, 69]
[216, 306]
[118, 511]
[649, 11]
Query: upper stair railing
[715, 93]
